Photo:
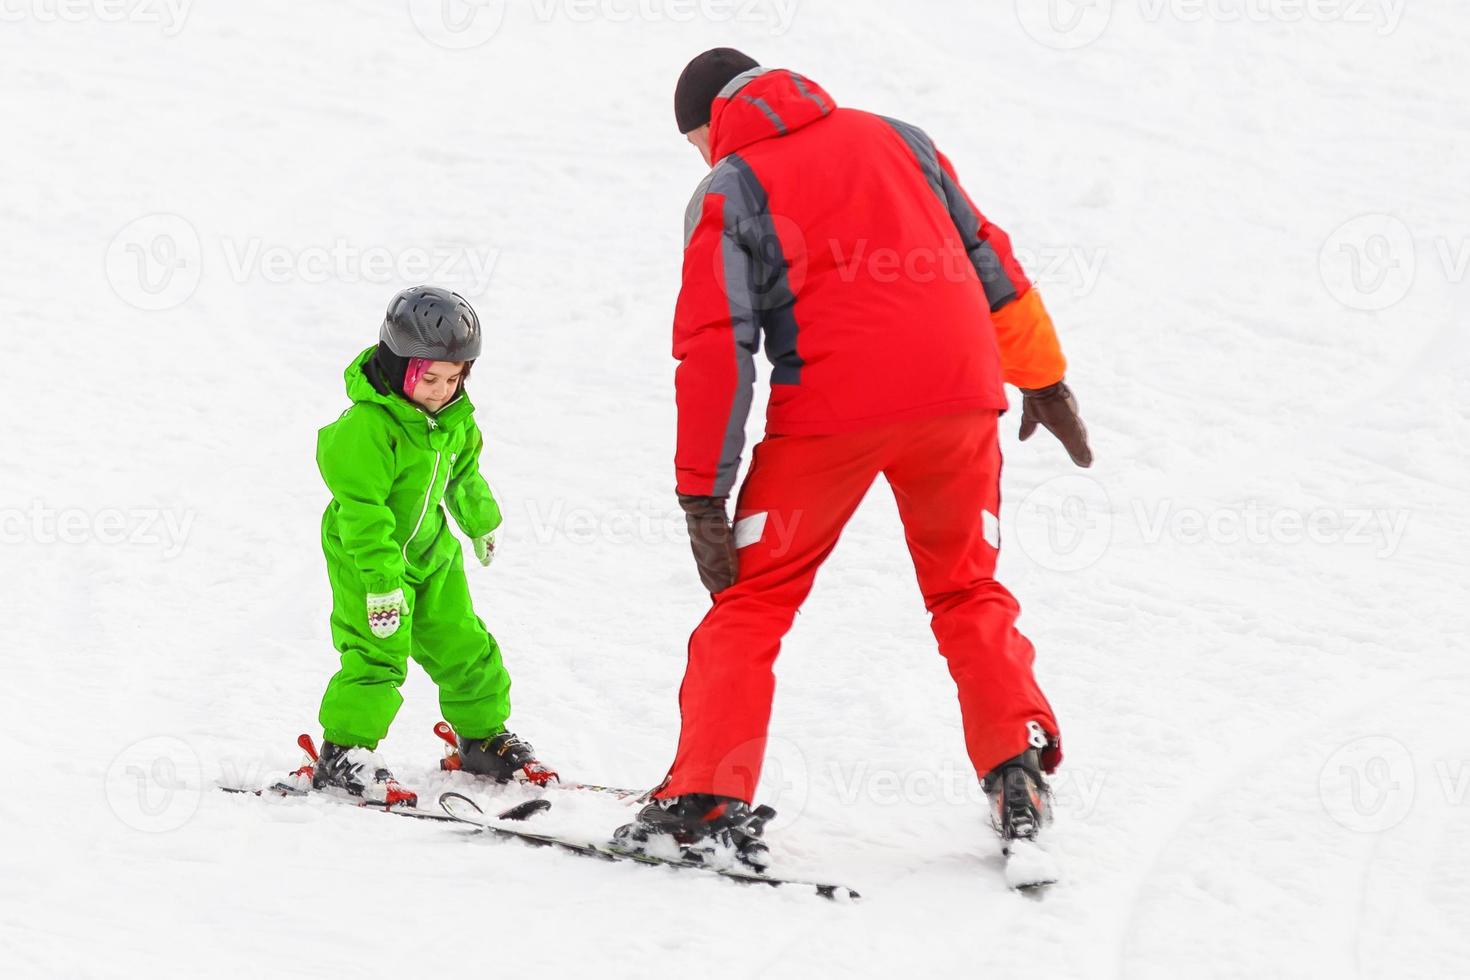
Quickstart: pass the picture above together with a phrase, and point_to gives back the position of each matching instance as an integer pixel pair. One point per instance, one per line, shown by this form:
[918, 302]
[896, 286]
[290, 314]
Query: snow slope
[1250, 226]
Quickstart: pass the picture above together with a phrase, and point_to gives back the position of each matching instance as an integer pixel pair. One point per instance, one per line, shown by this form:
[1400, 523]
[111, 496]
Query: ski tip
[839, 893]
[459, 806]
[1028, 868]
[449, 801]
[524, 811]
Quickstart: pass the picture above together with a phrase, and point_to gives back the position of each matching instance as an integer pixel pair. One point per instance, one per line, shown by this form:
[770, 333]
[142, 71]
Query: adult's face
[699, 138]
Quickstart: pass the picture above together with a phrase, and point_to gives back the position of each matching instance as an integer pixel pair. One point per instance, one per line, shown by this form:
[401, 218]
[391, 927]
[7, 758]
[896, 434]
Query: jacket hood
[361, 389]
[764, 103]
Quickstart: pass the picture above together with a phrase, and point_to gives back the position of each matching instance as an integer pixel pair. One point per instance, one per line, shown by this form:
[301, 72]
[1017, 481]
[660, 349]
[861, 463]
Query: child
[408, 443]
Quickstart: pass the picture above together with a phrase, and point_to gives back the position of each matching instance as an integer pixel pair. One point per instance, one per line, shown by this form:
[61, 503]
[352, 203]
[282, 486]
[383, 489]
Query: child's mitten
[384, 611]
[485, 548]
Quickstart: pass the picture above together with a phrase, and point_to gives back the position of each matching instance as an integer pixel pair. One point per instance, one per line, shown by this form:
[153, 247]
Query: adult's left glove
[1055, 408]
[712, 540]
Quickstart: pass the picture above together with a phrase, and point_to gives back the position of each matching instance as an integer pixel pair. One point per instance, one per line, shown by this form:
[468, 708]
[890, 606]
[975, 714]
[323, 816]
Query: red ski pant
[799, 494]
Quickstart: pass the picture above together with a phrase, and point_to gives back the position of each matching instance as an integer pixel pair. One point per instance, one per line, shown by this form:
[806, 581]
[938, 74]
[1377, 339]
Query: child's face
[439, 384]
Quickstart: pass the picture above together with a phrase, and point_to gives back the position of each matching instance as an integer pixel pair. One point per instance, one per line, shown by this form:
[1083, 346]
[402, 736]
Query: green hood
[360, 388]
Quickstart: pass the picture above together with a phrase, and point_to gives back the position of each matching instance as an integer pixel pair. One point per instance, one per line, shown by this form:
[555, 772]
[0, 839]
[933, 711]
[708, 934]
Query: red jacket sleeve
[716, 337]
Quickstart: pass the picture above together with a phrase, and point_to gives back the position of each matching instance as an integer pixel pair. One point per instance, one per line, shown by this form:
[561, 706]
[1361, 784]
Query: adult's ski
[463, 809]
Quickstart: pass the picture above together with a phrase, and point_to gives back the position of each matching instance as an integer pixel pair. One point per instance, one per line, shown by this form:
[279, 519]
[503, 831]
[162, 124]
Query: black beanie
[702, 80]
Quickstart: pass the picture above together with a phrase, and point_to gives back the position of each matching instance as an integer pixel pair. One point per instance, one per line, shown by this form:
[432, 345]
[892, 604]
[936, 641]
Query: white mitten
[385, 611]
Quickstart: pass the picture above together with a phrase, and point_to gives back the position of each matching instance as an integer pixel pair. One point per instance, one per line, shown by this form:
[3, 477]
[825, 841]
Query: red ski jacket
[846, 240]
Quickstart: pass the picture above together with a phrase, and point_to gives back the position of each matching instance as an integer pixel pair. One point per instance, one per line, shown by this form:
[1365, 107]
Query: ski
[521, 811]
[1020, 805]
[451, 763]
[299, 783]
[461, 808]
[1028, 868]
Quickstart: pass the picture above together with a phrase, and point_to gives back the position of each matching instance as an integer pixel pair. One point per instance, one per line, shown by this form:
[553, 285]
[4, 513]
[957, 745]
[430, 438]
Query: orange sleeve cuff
[1030, 354]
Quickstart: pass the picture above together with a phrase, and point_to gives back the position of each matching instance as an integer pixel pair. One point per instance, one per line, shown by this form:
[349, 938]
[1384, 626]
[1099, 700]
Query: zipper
[424, 512]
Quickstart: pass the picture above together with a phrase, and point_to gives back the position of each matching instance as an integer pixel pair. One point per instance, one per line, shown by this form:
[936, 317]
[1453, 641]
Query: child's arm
[355, 456]
[468, 496]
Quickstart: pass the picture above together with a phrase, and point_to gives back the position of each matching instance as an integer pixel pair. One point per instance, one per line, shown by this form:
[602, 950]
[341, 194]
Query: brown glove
[712, 540]
[1056, 409]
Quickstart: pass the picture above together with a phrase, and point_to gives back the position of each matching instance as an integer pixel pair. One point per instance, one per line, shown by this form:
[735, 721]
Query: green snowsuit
[389, 464]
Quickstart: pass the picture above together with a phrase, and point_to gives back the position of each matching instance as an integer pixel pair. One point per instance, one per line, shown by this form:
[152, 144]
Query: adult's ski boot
[1020, 802]
[700, 827]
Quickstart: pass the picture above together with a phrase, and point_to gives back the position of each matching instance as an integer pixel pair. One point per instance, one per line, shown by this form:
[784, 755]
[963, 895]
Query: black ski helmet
[434, 323]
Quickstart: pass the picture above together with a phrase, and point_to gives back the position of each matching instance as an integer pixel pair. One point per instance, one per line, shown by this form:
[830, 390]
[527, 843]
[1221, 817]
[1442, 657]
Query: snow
[1249, 222]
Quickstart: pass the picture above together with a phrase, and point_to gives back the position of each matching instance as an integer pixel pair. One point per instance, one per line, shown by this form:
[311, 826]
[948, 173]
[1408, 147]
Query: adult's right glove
[385, 611]
[712, 540]
[1055, 408]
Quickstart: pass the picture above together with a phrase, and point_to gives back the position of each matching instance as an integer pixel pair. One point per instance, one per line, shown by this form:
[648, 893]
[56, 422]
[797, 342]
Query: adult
[892, 312]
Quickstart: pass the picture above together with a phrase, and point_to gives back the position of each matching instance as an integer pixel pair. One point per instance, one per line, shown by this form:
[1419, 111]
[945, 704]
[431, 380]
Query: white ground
[1251, 228]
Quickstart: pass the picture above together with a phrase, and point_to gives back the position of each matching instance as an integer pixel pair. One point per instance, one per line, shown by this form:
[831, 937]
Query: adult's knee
[976, 597]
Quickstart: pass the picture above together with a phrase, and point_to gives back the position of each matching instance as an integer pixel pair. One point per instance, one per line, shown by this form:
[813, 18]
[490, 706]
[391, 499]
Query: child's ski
[521, 811]
[461, 808]
[299, 783]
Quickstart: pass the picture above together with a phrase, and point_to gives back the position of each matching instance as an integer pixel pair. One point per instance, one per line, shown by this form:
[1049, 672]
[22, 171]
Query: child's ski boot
[360, 772]
[503, 757]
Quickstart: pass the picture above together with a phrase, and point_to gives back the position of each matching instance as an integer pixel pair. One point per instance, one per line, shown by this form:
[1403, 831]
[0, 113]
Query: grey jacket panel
[753, 265]
[999, 290]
